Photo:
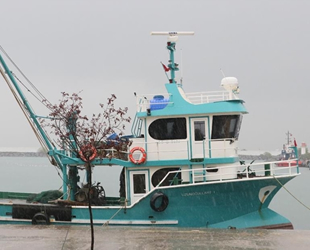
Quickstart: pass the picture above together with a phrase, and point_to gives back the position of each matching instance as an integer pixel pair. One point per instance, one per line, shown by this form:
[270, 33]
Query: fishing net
[45, 196]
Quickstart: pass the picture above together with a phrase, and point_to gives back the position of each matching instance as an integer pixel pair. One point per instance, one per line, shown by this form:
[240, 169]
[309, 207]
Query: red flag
[165, 67]
[295, 143]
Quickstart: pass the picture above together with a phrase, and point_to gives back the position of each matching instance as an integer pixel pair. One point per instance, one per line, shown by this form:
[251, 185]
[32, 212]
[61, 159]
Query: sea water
[36, 174]
[293, 200]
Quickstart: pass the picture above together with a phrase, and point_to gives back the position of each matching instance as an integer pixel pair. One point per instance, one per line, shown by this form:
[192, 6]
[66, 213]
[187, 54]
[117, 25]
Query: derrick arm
[28, 112]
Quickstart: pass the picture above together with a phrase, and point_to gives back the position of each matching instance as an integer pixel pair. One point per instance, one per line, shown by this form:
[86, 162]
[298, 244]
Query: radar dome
[230, 83]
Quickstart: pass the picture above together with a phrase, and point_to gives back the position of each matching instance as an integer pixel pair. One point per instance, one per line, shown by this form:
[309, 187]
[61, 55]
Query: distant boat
[288, 153]
[289, 163]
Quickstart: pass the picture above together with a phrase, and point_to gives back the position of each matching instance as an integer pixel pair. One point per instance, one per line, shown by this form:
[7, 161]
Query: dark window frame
[159, 174]
[226, 126]
[168, 129]
[200, 132]
[139, 183]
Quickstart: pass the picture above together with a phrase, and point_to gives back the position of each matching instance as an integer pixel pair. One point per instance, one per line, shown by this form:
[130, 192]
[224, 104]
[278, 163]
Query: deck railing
[144, 102]
[181, 149]
[166, 150]
[245, 172]
[211, 96]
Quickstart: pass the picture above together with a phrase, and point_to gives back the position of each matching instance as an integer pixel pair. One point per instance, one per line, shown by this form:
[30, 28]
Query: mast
[288, 138]
[171, 43]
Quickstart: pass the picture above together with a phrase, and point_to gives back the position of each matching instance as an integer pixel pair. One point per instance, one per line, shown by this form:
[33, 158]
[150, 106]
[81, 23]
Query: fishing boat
[289, 153]
[180, 169]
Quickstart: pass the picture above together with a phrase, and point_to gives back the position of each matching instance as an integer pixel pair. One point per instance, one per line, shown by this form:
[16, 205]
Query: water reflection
[110, 237]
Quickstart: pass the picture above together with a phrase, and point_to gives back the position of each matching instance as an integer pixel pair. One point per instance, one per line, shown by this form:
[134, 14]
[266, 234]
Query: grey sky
[104, 47]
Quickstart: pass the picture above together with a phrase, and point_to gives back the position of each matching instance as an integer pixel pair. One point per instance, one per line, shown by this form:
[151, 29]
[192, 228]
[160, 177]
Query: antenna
[172, 35]
[172, 39]
[222, 73]
[181, 79]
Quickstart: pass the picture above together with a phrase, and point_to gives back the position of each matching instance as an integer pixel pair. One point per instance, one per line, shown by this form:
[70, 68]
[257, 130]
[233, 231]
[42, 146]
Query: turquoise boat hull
[232, 204]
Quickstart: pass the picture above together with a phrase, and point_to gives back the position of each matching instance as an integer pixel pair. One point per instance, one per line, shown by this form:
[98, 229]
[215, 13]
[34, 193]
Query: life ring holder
[92, 157]
[142, 159]
[164, 202]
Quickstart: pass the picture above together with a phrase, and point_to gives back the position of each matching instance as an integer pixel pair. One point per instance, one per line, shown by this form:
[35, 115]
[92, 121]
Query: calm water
[36, 174]
[16, 237]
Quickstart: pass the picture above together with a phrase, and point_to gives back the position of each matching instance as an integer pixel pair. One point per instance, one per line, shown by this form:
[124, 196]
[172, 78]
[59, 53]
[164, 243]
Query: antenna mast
[172, 39]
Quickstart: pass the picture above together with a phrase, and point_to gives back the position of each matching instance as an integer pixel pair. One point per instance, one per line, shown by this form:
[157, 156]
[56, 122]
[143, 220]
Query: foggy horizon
[105, 47]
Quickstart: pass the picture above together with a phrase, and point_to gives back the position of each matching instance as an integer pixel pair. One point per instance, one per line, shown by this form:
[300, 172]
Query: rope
[25, 111]
[107, 222]
[44, 101]
[291, 194]
[38, 92]
[44, 147]
[15, 76]
[68, 192]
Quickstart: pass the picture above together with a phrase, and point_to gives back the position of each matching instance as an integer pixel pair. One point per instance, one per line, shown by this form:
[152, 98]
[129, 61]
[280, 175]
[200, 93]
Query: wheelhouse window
[226, 126]
[168, 129]
[172, 178]
[139, 183]
[200, 132]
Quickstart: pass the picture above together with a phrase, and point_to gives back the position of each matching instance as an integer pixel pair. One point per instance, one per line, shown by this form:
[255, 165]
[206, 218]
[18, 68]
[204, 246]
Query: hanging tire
[40, 218]
[159, 202]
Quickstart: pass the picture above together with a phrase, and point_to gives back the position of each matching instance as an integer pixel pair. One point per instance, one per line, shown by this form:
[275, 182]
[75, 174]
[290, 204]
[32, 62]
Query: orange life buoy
[142, 159]
[92, 157]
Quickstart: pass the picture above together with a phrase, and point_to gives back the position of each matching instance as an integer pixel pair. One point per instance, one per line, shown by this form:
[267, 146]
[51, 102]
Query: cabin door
[139, 184]
[199, 135]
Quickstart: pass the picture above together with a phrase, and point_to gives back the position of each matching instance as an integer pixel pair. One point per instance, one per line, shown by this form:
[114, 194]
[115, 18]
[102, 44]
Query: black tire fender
[40, 218]
[163, 204]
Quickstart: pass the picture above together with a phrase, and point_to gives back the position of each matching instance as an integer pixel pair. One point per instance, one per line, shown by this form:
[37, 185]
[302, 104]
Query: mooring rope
[291, 194]
[107, 222]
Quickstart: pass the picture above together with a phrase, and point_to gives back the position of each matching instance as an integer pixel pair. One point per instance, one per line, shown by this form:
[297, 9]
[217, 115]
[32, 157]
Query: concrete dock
[110, 237]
